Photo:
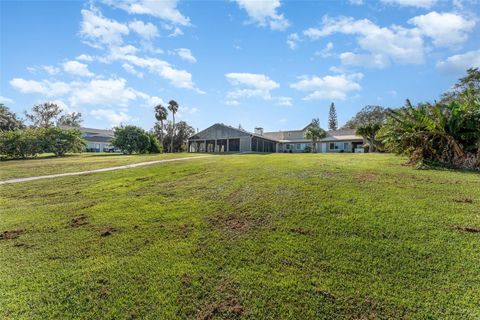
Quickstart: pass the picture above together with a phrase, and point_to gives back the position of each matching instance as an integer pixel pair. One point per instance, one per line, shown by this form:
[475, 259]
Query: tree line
[17, 141]
[54, 131]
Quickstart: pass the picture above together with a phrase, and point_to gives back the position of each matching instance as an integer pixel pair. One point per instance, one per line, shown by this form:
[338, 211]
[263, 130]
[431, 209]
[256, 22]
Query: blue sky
[275, 64]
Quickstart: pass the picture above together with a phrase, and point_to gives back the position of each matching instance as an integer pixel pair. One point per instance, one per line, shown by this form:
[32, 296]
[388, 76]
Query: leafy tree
[315, 133]
[44, 115]
[369, 132]
[173, 107]
[154, 146]
[180, 137]
[9, 120]
[62, 141]
[21, 144]
[369, 114]
[161, 114]
[470, 82]
[332, 117]
[131, 139]
[73, 119]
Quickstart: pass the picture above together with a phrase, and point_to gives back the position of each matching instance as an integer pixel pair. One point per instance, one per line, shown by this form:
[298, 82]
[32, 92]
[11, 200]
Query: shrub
[155, 146]
[132, 139]
[62, 141]
[21, 144]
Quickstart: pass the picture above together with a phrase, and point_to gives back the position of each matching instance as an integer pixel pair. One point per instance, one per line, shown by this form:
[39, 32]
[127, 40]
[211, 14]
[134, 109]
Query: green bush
[62, 141]
[132, 139]
[21, 144]
[155, 146]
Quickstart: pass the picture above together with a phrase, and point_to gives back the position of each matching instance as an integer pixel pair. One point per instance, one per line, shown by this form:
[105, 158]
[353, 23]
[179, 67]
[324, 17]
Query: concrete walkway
[128, 166]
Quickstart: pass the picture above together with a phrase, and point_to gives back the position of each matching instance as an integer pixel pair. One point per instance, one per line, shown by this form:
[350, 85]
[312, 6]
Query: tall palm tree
[173, 107]
[315, 133]
[161, 114]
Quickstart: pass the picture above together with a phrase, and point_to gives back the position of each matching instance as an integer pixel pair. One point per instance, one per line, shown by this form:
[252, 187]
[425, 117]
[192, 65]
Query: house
[98, 140]
[222, 138]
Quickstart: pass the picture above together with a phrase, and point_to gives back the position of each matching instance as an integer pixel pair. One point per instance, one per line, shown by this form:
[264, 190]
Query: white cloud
[5, 100]
[328, 87]
[51, 70]
[460, 62]
[325, 52]
[177, 77]
[113, 117]
[77, 68]
[293, 40]
[98, 30]
[147, 31]
[412, 3]
[184, 112]
[284, 101]
[84, 57]
[186, 55]
[130, 69]
[365, 60]
[264, 13]
[395, 43]
[43, 87]
[250, 85]
[446, 29]
[165, 9]
[356, 2]
[102, 92]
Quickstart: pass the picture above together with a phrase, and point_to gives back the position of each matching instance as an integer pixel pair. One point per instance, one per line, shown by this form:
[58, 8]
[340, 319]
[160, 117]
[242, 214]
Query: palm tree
[315, 133]
[161, 114]
[173, 107]
[369, 132]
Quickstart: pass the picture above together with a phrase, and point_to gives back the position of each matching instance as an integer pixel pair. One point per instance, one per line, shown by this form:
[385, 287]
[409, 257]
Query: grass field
[279, 236]
[48, 164]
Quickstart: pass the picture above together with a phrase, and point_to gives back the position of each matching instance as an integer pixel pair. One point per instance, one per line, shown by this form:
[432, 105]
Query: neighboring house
[98, 140]
[223, 138]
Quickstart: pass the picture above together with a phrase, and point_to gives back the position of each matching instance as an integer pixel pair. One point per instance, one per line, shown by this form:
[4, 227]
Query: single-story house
[98, 140]
[222, 138]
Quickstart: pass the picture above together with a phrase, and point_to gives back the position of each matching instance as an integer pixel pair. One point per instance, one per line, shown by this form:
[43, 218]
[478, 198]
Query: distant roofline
[106, 131]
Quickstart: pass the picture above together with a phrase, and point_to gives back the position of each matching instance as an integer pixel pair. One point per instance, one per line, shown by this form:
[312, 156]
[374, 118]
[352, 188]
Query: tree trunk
[161, 133]
[173, 133]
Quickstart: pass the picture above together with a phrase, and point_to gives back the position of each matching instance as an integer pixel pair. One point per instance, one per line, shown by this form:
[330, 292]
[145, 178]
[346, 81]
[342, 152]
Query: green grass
[299, 236]
[48, 164]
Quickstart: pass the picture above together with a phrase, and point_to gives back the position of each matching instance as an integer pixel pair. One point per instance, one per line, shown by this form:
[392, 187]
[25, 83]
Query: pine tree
[332, 118]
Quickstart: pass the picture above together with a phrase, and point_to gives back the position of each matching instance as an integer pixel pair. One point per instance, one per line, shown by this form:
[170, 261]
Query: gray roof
[101, 132]
[98, 139]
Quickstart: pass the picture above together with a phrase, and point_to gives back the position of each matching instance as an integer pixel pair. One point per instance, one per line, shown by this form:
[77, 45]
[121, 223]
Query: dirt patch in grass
[23, 245]
[366, 177]
[11, 234]
[234, 224]
[108, 231]
[225, 303]
[463, 200]
[78, 221]
[468, 229]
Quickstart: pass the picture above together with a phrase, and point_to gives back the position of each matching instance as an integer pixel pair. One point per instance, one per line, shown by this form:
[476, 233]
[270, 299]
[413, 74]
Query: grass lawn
[48, 164]
[279, 236]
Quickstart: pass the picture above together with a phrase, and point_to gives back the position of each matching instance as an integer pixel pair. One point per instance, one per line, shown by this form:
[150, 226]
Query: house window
[331, 146]
[299, 146]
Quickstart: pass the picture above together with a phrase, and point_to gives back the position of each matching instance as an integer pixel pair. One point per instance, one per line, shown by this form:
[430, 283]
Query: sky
[275, 64]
